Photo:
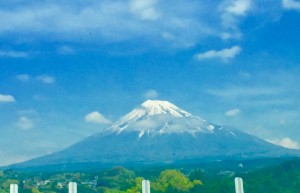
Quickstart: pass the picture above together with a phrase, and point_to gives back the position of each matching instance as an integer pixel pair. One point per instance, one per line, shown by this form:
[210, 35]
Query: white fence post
[72, 187]
[145, 186]
[13, 188]
[239, 188]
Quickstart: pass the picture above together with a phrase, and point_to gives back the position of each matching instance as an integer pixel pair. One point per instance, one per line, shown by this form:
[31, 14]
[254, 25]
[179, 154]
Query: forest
[281, 178]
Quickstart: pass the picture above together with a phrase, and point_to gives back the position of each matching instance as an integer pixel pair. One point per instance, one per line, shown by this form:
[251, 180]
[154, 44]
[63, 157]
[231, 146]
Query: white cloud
[144, 9]
[291, 4]
[232, 112]
[224, 54]
[46, 79]
[238, 7]
[25, 123]
[96, 117]
[6, 98]
[23, 77]
[151, 94]
[13, 54]
[285, 142]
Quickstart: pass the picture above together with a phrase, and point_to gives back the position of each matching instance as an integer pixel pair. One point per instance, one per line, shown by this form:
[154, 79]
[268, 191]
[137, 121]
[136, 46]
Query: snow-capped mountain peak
[155, 107]
[159, 132]
[158, 117]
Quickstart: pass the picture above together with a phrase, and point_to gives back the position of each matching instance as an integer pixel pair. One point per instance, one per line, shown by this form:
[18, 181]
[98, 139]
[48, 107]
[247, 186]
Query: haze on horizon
[70, 69]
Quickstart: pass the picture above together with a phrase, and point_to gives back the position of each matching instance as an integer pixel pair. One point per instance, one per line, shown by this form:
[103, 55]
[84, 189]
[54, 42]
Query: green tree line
[283, 178]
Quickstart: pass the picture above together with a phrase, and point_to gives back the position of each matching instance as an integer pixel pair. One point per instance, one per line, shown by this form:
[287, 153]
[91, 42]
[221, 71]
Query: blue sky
[71, 68]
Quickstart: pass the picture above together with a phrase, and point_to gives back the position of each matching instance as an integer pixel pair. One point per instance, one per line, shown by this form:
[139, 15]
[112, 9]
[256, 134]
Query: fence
[145, 186]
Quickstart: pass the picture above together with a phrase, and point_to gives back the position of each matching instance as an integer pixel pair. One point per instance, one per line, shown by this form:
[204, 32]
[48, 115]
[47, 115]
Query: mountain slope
[160, 132]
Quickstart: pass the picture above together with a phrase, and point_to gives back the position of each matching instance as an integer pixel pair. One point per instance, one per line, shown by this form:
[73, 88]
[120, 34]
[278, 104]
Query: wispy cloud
[285, 142]
[13, 54]
[269, 97]
[232, 112]
[235, 92]
[96, 117]
[46, 79]
[6, 98]
[224, 55]
[23, 77]
[231, 13]
[65, 50]
[151, 94]
[25, 123]
[267, 87]
[291, 4]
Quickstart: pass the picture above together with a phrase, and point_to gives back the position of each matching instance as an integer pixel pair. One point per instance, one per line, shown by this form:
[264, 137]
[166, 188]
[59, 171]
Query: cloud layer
[176, 23]
[106, 20]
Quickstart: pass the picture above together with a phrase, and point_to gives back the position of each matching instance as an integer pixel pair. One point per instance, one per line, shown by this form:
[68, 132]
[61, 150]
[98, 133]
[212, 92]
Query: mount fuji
[158, 132]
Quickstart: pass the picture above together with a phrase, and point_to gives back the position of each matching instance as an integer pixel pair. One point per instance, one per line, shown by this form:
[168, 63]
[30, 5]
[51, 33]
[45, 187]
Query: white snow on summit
[155, 107]
[150, 108]
[158, 117]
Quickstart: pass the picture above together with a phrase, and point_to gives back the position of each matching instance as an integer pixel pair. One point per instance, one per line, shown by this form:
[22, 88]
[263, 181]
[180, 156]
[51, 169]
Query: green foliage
[138, 186]
[197, 182]
[173, 181]
[196, 174]
[85, 189]
[218, 184]
[118, 178]
[107, 190]
[35, 190]
[283, 178]
[7, 182]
